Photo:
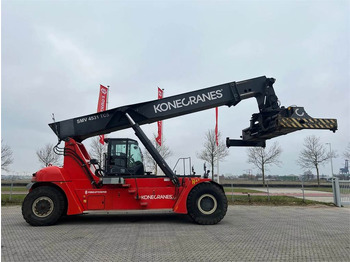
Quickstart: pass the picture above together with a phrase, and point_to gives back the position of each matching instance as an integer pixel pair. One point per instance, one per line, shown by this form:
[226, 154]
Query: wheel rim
[42, 206]
[207, 204]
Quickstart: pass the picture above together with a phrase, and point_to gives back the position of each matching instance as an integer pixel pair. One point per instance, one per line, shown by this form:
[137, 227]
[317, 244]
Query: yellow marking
[313, 123]
[287, 123]
[316, 124]
[296, 122]
[194, 181]
[282, 122]
[323, 122]
[321, 125]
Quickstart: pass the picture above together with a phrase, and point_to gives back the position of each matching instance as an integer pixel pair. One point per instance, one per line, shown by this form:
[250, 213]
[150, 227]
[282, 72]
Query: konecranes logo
[191, 100]
[153, 197]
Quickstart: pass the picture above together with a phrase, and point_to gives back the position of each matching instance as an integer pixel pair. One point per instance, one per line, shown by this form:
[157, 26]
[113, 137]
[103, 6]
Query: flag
[102, 105]
[216, 126]
[160, 124]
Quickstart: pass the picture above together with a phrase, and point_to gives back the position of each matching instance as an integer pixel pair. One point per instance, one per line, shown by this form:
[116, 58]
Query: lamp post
[330, 151]
[249, 171]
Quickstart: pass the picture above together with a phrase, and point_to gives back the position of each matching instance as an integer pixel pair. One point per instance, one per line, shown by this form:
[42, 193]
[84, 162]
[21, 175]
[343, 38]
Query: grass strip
[14, 189]
[272, 201]
[15, 199]
[241, 190]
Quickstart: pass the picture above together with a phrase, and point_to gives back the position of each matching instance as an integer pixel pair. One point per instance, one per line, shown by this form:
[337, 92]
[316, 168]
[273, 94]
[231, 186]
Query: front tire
[207, 204]
[43, 206]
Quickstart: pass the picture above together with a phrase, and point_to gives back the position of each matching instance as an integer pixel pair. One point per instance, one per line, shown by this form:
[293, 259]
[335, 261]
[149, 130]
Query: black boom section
[228, 94]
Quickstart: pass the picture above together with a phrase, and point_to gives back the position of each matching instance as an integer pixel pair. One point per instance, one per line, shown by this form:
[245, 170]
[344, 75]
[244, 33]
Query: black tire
[207, 204]
[43, 206]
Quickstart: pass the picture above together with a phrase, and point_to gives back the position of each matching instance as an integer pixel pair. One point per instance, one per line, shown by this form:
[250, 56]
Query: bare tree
[211, 153]
[263, 157]
[6, 156]
[47, 156]
[347, 152]
[97, 150]
[314, 154]
[163, 150]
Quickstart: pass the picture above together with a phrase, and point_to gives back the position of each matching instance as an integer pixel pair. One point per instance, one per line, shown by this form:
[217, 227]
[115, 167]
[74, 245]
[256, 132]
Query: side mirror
[93, 161]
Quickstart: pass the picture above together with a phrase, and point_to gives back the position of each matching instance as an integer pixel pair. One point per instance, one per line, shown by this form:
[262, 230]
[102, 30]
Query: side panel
[181, 203]
[135, 194]
[74, 205]
[96, 202]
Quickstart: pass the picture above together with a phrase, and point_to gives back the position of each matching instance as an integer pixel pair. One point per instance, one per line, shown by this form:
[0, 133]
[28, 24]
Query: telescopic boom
[272, 120]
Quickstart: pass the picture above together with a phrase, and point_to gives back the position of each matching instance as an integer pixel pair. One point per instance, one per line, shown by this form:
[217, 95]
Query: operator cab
[124, 157]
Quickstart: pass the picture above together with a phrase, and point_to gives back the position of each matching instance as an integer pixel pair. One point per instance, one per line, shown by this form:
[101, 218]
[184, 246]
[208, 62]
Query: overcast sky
[55, 54]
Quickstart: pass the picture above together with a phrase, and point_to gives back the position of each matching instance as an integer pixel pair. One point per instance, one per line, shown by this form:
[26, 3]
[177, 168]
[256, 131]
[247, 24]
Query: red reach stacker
[121, 185]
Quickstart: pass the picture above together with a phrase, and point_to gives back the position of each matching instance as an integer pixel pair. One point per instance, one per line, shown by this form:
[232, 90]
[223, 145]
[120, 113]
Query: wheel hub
[207, 204]
[42, 206]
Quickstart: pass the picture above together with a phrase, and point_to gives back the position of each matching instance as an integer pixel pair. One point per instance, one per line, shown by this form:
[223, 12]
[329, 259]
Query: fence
[271, 190]
[341, 192]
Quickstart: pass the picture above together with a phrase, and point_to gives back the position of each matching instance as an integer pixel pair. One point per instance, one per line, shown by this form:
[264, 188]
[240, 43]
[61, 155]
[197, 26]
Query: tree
[307, 176]
[163, 150]
[211, 153]
[47, 156]
[97, 150]
[347, 152]
[262, 157]
[314, 154]
[6, 156]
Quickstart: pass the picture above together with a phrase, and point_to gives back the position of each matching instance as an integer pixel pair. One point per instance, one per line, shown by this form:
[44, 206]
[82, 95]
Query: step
[113, 181]
[132, 191]
[143, 204]
[126, 185]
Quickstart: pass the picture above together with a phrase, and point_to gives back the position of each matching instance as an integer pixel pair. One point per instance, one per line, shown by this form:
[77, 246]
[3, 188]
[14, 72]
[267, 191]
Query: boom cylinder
[153, 151]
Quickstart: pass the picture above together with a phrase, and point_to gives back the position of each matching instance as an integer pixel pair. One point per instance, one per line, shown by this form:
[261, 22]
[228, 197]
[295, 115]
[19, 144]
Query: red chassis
[141, 193]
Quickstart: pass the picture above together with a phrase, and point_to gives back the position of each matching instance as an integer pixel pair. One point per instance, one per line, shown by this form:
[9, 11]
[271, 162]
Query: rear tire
[43, 206]
[207, 204]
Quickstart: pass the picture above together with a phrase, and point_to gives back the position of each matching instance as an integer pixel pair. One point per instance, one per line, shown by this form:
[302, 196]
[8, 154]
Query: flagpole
[105, 145]
[107, 97]
[161, 133]
[107, 102]
[217, 143]
[218, 174]
[161, 139]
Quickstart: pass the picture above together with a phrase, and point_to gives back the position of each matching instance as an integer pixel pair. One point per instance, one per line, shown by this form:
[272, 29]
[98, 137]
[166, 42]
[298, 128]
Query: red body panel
[148, 193]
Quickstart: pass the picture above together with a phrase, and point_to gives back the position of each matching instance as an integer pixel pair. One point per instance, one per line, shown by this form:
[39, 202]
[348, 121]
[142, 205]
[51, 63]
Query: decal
[92, 118]
[195, 181]
[178, 103]
[157, 197]
[95, 192]
[299, 114]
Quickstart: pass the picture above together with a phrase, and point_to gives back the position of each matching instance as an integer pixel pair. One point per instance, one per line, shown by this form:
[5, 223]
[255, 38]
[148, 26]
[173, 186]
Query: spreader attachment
[274, 123]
